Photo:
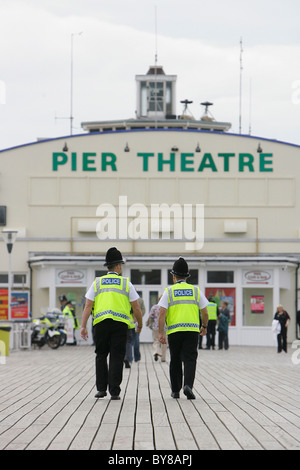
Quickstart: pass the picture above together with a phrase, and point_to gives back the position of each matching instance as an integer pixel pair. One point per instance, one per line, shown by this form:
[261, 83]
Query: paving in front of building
[246, 398]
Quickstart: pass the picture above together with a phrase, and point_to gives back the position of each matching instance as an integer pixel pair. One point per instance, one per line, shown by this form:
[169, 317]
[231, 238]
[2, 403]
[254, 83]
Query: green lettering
[226, 159]
[246, 159]
[162, 162]
[108, 159]
[185, 162]
[87, 161]
[207, 162]
[263, 162]
[59, 158]
[74, 161]
[145, 159]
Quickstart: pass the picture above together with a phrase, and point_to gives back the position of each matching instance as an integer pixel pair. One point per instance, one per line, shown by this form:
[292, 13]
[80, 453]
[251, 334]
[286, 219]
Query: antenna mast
[250, 106]
[241, 68]
[155, 59]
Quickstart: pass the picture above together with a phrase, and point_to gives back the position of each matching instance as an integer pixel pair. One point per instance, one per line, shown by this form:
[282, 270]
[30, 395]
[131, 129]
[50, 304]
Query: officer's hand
[84, 333]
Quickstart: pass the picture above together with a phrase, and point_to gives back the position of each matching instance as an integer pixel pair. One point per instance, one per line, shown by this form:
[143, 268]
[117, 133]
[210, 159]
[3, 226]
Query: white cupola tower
[156, 94]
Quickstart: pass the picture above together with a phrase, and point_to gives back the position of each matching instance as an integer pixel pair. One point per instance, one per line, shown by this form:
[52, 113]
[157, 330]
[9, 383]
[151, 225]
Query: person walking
[223, 323]
[68, 311]
[159, 349]
[112, 297]
[212, 309]
[179, 308]
[283, 317]
[133, 341]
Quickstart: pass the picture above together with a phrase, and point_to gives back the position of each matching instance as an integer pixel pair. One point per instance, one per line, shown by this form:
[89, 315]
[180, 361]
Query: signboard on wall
[220, 294]
[257, 303]
[258, 277]
[19, 305]
[70, 277]
[3, 304]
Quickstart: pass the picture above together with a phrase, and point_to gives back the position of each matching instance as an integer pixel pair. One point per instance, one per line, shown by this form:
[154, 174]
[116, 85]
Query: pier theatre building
[157, 186]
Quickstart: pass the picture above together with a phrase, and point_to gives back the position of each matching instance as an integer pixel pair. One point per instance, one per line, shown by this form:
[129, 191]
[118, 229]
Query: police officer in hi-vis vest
[212, 309]
[112, 297]
[179, 308]
[68, 311]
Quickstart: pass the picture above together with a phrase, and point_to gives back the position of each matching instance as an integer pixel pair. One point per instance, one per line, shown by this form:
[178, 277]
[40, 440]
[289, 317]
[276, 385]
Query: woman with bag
[283, 317]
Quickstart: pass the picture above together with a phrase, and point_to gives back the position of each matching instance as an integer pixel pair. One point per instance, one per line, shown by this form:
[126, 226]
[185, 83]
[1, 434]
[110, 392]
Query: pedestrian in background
[159, 349]
[223, 324]
[179, 308]
[283, 317]
[133, 341]
[112, 297]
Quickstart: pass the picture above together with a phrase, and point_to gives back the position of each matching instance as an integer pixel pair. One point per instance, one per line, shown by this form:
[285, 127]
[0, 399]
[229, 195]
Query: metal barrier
[21, 335]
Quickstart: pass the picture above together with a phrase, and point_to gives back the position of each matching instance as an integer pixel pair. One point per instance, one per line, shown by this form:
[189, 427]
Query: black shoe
[156, 357]
[127, 365]
[188, 392]
[115, 397]
[175, 394]
[100, 394]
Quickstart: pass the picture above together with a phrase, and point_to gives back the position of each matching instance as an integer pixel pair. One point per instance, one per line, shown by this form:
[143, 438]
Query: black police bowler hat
[180, 268]
[113, 256]
[63, 298]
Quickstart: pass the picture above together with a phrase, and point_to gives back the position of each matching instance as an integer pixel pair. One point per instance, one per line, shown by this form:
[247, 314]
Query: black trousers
[183, 346]
[211, 334]
[223, 340]
[110, 339]
[282, 339]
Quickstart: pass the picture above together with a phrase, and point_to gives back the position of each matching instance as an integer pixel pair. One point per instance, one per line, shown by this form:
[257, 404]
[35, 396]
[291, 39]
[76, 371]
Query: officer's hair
[111, 267]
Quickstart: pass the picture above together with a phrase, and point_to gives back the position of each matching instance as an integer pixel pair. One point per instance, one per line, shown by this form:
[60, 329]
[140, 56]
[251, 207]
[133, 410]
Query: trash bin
[4, 336]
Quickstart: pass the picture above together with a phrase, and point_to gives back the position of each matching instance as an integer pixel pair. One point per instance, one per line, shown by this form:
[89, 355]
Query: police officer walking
[212, 309]
[179, 308]
[68, 311]
[112, 297]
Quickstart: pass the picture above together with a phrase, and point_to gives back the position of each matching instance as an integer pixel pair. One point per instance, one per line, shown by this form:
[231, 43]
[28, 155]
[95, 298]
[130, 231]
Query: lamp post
[9, 237]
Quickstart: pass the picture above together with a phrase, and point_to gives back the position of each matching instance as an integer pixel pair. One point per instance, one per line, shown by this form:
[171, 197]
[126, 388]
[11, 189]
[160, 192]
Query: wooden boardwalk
[246, 398]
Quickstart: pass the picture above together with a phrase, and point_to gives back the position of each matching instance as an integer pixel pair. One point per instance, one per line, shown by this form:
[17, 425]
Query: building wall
[250, 200]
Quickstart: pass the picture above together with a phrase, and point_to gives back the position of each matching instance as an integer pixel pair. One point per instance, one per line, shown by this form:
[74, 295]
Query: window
[100, 273]
[193, 279]
[146, 276]
[2, 216]
[156, 96]
[220, 277]
[257, 306]
[3, 278]
[19, 279]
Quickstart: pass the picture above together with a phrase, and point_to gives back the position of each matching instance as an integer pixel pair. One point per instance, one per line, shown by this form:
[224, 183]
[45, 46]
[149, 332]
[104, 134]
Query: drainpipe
[30, 289]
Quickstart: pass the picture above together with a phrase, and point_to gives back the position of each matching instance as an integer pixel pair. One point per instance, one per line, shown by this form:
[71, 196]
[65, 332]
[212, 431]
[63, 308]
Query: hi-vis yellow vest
[183, 308]
[212, 310]
[112, 300]
[67, 312]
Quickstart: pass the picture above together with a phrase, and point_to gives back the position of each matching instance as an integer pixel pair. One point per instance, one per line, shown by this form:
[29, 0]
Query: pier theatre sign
[183, 162]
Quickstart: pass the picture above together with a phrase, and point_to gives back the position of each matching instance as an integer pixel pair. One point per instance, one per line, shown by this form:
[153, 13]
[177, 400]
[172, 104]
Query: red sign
[220, 294]
[257, 303]
[3, 304]
[19, 305]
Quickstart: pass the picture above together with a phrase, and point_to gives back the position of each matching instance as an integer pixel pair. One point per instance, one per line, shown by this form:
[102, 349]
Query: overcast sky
[197, 40]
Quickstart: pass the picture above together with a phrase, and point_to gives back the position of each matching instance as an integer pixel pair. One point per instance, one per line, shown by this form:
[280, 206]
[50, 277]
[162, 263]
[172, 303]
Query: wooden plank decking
[246, 398]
